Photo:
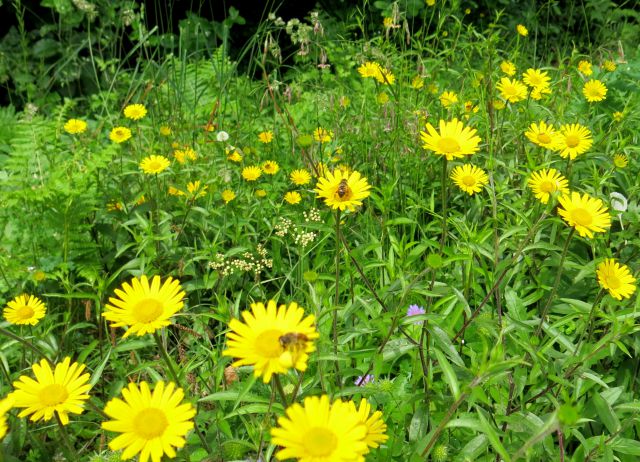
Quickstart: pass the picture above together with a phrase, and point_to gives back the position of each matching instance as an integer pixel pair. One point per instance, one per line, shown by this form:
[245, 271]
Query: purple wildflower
[414, 310]
[362, 381]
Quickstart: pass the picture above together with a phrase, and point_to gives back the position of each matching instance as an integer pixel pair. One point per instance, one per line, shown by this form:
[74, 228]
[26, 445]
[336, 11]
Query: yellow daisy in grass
[260, 193]
[469, 178]
[5, 405]
[448, 98]
[454, 140]
[369, 69]
[151, 424]
[318, 431]
[119, 134]
[75, 126]
[536, 78]
[143, 307]
[542, 134]
[620, 160]
[173, 191]
[616, 278]
[196, 189]
[376, 427]
[293, 197]
[538, 92]
[430, 2]
[573, 140]
[265, 137]
[609, 65]
[585, 67]
[508, 68]
[594, 91]
[522, 30]
[251, 173]
[618, 116]
[270, 167]
[382, 98]
[341, 191]
[25, 309]
[512, 90]
[586, 214]
[62, 390]
[228, 196]
[545, 182]
[272, 339]
[322, 135]
[135, 111]
[165, 130]
[300, 177]
[385, 76]
[417, 82]
[234, 156]
[153, 164]
[498, 104]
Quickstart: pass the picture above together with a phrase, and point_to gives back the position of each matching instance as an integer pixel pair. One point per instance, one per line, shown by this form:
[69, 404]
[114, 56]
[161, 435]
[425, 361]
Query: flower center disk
[319, 442]
[268, 343]
[572, 141]
[547, 186]
[147, 310]
[448, 145]
[25, 312]
[150, 423]
[53, 394]
[582, 217]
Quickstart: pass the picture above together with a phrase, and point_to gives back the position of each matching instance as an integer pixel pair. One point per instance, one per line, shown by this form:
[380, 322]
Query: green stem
[557, 281]
[278, 386]
[26, 343]
[443, 182]
[174, 376]
[337, 297]
[72, 453]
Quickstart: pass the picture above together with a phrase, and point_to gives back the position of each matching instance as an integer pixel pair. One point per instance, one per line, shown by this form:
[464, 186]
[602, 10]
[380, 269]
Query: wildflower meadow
[378, 231]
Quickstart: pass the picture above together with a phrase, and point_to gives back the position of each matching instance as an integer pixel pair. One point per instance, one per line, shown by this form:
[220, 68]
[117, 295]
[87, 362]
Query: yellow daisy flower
[369, 69]
[119, 134]
[618, 116]
[228, 196]
[320, 432]
[341, 191]
[143, 307]
[272, 339]
[454, 140]
[586, 214]
[512, 90]
[165, 130]
[5, 405]
[609, 65]
[536, 78]
[538, 92]
[293, 197]
[469, 178]
[173, 191]
[265, 137]
[135, 111]
[594, 91]
[251, 173]
[616, 278]
[585, 68]
[545, 182]
[62, 390]
[542, 134]
[508, 68]
[75, 126]
[376, 427]
[151, 423]
[522, 30]
[322, 135]
[417, 82]
[620, 160]
[25, 309]
[300, 177]
[448, 98]
[234, 156]
[270, 167]
[573, 140]
[153, 164]
[196, 189]
[260, 193]
[384, 76]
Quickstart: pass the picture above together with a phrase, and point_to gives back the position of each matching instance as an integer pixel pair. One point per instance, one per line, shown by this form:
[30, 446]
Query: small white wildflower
[222, 136]
[618, 202]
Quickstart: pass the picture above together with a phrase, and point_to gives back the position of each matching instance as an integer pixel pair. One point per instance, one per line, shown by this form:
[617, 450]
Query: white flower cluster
[248, 263]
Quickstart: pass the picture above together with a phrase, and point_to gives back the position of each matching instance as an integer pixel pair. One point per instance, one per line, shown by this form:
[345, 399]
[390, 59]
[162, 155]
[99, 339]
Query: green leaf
[491, 433]
[448, 374]
[625, 446]
[605, 413]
